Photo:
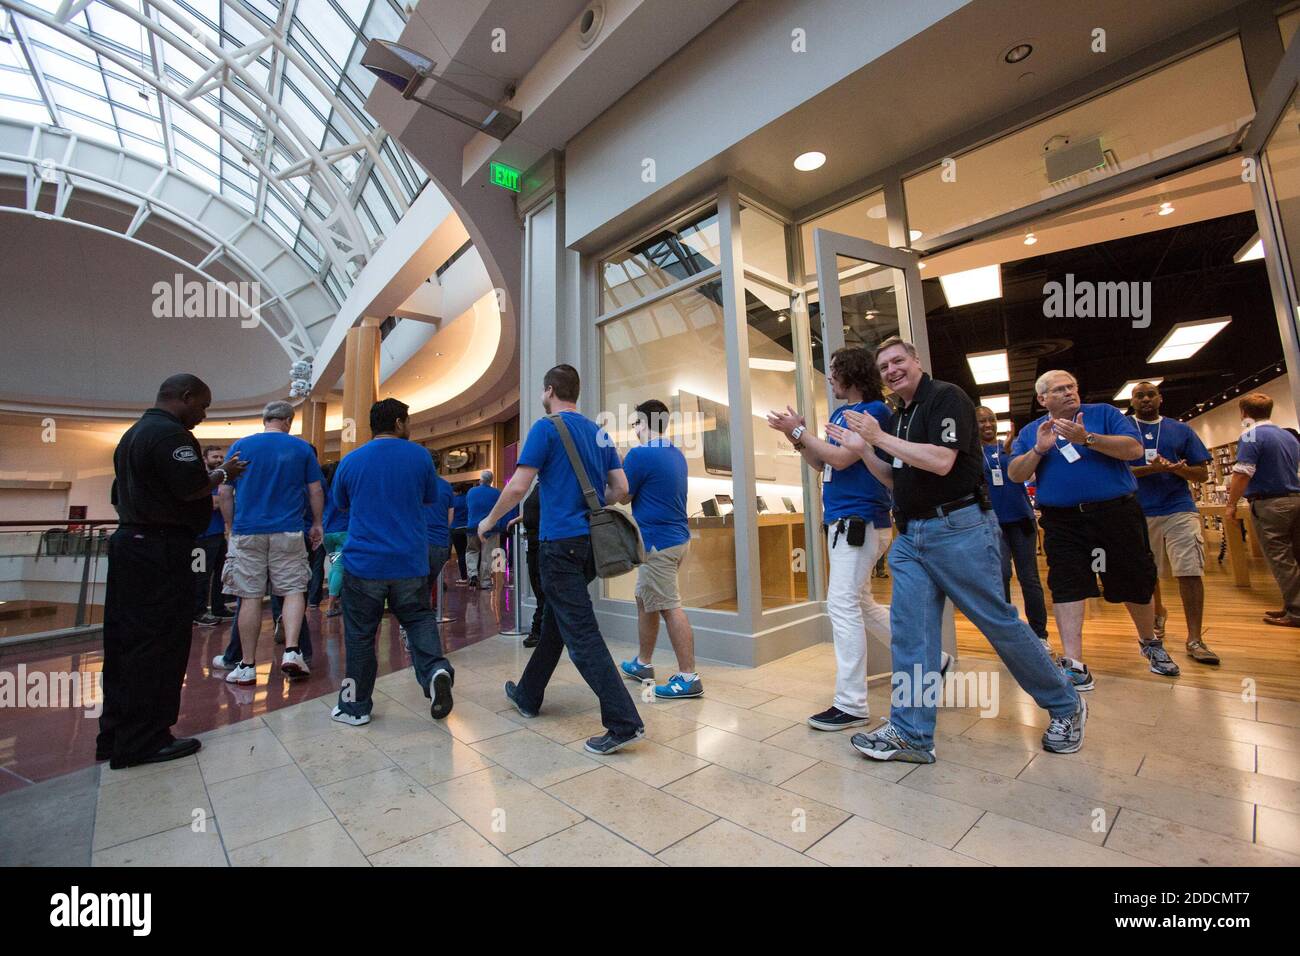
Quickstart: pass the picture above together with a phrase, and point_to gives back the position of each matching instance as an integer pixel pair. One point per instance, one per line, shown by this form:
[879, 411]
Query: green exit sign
[505, 177]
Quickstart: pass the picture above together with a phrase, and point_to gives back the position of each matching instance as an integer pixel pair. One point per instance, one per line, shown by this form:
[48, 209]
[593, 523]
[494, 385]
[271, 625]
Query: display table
[778, 537]
[1238, 557]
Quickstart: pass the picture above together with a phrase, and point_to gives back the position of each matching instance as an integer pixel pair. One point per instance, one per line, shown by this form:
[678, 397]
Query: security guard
[162, 493]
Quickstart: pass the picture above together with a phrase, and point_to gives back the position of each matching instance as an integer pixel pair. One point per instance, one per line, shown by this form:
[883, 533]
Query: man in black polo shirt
[163, 496]
[948, 546]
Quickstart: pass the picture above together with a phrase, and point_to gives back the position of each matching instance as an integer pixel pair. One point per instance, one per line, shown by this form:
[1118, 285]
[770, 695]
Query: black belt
[158, 530]
[1280, 494]
[947, 508]
[1089, 506]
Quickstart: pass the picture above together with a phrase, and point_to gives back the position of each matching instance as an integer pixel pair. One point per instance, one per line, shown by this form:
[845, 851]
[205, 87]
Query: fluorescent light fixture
[973, 285]
[771, 365]
[1187, 338]
[1001, 404]
[807, 162]
[1030, 239]
[989, 368]
[1166, 209]
[915, 234]
[1126, 393]
[1004, 426]
[1253, 249]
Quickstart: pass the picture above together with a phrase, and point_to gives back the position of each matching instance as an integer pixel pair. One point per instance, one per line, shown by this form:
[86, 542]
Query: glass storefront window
[764, 242]
[683, 249]
[863, 218]
[675, 350]
[1196, 100]
[1287, 24]
[1282, 157]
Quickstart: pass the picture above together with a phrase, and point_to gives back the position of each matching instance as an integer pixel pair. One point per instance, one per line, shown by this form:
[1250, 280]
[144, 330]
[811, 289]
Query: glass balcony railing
[52, 577]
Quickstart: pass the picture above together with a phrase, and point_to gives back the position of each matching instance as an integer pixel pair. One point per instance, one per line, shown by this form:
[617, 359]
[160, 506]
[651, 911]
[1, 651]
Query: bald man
[478, 502]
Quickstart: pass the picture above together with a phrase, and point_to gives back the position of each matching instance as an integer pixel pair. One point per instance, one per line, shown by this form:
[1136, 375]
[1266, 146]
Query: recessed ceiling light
[1166, 209]
[1126, 392]
[1253, 249]
[1187, 338]
[1018, 52]
[920, 265]
[806, 162]
[915, 234]
[877, 211]
[1030, 238]
[972, 285]
[771, 365]
[989, 368]
[1000, 404]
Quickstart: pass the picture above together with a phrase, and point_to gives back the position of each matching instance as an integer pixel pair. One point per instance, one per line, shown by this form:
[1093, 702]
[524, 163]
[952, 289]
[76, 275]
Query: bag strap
[588, 492]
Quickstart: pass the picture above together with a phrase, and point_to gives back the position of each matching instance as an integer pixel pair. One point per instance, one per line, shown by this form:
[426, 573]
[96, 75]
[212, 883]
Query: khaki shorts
[1178, 544]
[252, 557]
[656, 578]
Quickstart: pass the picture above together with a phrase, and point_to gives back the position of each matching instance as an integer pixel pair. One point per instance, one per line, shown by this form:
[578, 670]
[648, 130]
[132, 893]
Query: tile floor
[1169, 775]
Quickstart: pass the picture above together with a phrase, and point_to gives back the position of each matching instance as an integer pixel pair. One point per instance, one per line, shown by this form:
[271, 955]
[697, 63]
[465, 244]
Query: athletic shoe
[532, 640]
[225, 614]
[832, 718]
[485, 586]
[335, 610]
[242, 674]
[1078, 673]
[679, 687]
[635, 670]
[1161, 619]
[885, 743]
[207, 620]
[313, 607]
[1064, 735]
[343, 717]
[1161, 662]
[945, 663]
[279, 629]
[512, 689]
[1200, 652]
[293, 664]
[440, 692]
[219, 663]
[608, 743]
[472, 582]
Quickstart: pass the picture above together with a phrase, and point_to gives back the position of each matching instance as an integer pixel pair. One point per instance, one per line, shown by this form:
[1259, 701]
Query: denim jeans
[363, 609]
[1020, 544]
[569, 621]
[235, 649]
[941, 557]
[438, 554]
[316, 558]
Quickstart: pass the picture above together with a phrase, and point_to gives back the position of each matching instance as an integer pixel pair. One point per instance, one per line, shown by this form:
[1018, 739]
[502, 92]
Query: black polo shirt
[156, 466]
[940, 414]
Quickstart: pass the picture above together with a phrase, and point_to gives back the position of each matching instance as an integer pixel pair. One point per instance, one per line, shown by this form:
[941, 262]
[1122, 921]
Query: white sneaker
[345, 718]
[219, 663]
[242, 674]
[293, 664]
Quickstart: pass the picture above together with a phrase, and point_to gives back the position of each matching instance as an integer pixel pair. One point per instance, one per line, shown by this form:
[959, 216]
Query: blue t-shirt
[478, 502]
[1010, 499]
[271, 495]
[564, 510]
[384, 486]
[1094, 477]
[460, 519]
[854, 490]
[438, 529]
[656, 478]
[1167, 494]
[217, 524]
[335, 519]
[1275, 455]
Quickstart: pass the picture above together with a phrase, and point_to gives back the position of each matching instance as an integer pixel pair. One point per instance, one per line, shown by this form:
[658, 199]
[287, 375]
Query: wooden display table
[1238, 556]
[778, 537]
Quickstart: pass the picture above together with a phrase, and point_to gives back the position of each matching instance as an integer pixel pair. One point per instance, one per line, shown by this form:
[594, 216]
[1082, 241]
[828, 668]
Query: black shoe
[832, 718]
[512, 695]
[172, 751]
[608, 743]
[473, 582]
[532, 640]
[440, 691]
[225, 614]
[207, 620]
[335, 610]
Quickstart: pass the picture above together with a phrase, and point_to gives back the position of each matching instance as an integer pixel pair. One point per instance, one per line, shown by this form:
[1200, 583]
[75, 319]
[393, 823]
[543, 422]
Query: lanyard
[997, 459]
[1159, 426]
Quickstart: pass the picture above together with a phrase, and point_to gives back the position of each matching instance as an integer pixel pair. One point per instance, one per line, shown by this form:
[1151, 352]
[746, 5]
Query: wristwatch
[225, 477]
[1090, 439]
[797, 433]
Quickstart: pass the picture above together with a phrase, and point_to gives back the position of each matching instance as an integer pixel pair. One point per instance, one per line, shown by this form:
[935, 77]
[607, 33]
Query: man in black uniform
[163, 495]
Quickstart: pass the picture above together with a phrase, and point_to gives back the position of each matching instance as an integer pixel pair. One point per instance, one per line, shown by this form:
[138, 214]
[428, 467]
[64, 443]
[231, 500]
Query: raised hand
[864, 424]
[234, 466]
[1072, 431]
[786, 421]
[1045, 437]
[847, 439]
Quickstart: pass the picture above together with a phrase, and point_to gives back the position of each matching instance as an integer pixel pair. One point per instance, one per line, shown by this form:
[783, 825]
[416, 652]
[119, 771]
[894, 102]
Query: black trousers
[533, 557]
[460, 542]
[148, 610]
[207, 583]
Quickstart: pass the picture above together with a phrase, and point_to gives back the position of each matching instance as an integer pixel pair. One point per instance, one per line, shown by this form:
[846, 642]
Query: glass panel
[683, 249]
[763, 239]
[1282, 160]
[674, 351]
[863, 218]
[1196, 100]
[1287, 24]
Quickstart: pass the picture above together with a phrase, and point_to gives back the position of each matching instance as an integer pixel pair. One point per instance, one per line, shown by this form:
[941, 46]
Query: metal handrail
[84, 538]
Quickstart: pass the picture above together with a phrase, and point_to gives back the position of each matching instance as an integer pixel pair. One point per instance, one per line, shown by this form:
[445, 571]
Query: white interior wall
[78, 454]
[1222, 424]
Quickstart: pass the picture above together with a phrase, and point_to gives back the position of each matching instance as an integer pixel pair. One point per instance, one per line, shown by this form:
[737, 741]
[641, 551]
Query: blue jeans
[363, 609]
[933, 559]
[235, 649]
[1020, 544]
[438, 554]
[569, 621]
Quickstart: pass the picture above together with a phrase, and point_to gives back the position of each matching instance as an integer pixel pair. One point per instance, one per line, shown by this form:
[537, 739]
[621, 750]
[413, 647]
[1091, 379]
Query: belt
[1280, 494]
[1089, 506]
[947, 508]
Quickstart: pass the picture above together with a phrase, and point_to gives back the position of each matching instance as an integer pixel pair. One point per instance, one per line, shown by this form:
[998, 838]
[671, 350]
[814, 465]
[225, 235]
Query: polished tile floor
[1169, 775]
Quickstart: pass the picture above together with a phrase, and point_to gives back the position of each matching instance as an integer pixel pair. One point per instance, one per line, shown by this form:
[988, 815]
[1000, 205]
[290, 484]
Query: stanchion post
[442, 618]
[516, 555]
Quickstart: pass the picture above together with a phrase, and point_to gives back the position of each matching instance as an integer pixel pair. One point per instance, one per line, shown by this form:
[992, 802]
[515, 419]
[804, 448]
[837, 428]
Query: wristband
[225, 476]
[797, 433]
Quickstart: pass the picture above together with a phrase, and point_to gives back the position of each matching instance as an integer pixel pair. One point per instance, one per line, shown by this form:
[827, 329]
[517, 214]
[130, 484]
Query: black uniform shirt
[940, 414]
[532, 512]
[156, 466]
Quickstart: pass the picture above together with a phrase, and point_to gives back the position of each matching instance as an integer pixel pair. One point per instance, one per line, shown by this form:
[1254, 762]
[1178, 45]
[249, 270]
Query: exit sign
[505, 177]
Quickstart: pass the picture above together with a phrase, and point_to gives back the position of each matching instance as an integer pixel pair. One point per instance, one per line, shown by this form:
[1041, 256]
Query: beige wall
[80, 454]
[1222, 424]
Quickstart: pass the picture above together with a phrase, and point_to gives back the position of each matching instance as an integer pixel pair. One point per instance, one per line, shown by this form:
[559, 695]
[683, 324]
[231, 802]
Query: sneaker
[512, 689]
[219, 663]
[1064, 735]
[335, 610]
[679, 687]
[885, 743]
[343, 717]
[635, 670]
[292, 664]
[832, 718]
[1078, 673]
[1161, 619]
[472, 582]
[608, 743]
[279, 630]
[532, 640]
[945, 663]
[207, 620]
[440, 692]
[242, 674]
[225, 614]
[1161, 662]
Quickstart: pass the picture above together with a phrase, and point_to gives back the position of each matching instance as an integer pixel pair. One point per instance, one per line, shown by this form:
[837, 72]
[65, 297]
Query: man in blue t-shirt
[460, 532]
[1265, 474]
[855, 512]
[439, 515]
[1092, 523]
[386, 486]
[1172, 456]
[478, 502]
[209, 603]
[656, 481]
[1019, 530]
[567, 563]
[266, 536]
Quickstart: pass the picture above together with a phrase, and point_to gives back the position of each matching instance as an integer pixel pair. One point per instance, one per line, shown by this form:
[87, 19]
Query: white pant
[853, 610]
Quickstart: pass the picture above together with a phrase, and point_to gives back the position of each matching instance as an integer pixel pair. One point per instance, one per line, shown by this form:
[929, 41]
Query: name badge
[1070, 453]
[1151, 455]
[996, 474]
[898, 463]
[827, 471]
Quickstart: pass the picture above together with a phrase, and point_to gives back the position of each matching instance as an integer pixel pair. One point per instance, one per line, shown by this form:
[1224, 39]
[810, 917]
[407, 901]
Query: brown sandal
[1201, 654]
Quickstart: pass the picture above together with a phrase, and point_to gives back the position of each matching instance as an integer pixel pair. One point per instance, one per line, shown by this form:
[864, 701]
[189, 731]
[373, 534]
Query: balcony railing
[52, 578]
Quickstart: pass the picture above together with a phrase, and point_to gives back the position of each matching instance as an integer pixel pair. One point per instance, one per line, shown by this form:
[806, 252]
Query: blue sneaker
[1078, 673]
[635, 670]
[886, 743]
[512, 692]
[678, 686]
